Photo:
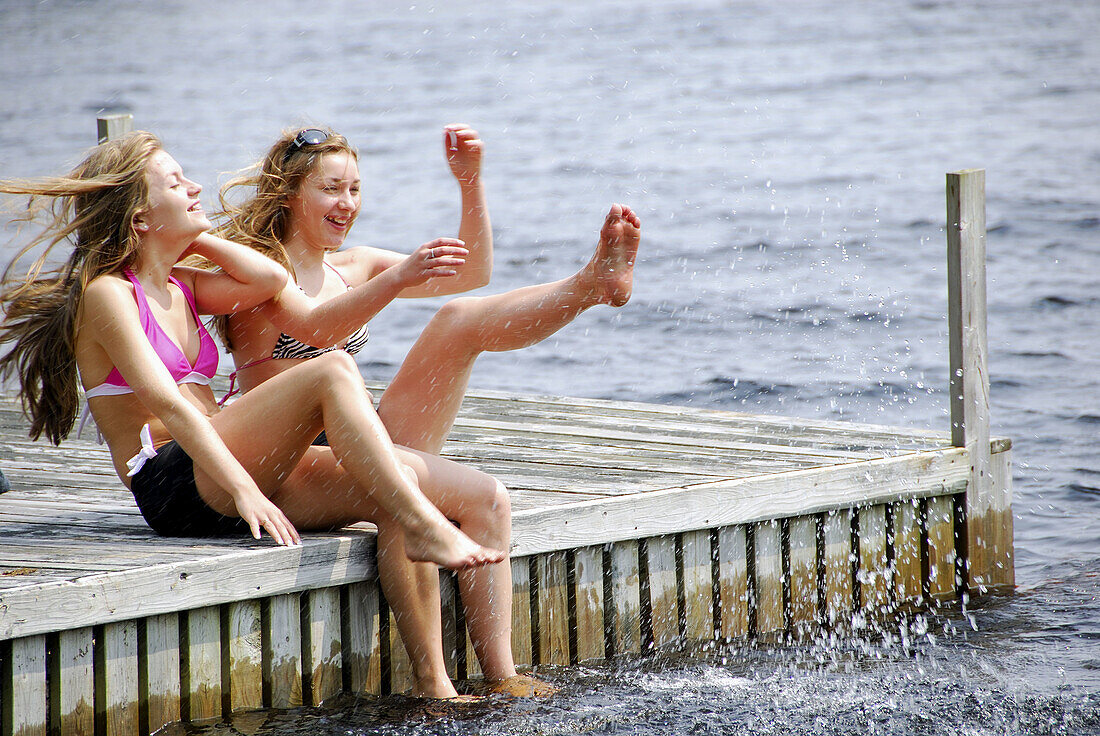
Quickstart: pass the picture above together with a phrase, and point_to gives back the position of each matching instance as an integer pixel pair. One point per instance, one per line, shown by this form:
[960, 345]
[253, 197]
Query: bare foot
[435, 689]
[448, 547]
[521, 686]
[614, 259]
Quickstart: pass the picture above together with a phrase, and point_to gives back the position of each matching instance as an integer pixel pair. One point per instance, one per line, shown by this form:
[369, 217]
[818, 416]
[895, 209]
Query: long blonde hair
[262, 219]
[93, 208]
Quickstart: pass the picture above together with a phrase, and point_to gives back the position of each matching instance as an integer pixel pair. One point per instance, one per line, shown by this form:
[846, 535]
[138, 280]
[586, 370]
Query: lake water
[788, 162]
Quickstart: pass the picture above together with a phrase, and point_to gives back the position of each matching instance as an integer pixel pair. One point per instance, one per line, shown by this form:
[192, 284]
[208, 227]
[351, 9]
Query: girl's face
[327, 202]
[174, 206]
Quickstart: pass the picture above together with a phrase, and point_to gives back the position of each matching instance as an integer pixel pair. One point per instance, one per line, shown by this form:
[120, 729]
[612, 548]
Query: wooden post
[988, 508]
[162, 670]
[246, 678]
[322, 644]
[626, 604]
[72, 690]
[521, 612]
[733, 586]
[202, 671]
[110, 127]
[589, 603]
[23, 707]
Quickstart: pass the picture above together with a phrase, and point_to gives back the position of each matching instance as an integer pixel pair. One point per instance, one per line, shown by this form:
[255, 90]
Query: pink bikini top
[206, 364]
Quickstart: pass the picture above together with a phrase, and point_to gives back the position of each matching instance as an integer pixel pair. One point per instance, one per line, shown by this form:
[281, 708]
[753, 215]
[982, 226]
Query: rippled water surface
[788, 162]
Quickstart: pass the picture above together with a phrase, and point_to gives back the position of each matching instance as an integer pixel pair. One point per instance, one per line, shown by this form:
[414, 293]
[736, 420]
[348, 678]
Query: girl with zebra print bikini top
[289, 348]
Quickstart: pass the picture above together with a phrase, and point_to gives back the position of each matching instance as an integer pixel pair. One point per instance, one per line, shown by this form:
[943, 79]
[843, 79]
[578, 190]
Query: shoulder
[108, 302]
[108, 288]
[362, 263]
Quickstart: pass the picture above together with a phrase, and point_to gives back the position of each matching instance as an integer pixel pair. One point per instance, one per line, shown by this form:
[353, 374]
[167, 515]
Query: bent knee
[337, 366]
[501, 503]
[457, 316]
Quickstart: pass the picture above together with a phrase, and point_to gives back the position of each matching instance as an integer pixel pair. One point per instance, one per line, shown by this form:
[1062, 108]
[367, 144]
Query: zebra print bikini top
[288, 347]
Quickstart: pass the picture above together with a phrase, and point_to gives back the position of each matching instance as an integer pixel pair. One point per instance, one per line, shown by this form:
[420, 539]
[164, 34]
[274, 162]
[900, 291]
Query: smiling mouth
[338, 223]
[197, 207]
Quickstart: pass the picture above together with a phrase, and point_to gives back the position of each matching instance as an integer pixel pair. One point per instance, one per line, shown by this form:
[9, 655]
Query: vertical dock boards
[776, 580]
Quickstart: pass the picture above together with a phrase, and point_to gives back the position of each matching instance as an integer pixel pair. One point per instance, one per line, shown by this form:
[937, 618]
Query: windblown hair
[92, 209]
[261, 221]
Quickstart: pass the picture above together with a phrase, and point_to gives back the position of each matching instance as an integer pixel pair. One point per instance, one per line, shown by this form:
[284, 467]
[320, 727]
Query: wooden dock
[636, 527]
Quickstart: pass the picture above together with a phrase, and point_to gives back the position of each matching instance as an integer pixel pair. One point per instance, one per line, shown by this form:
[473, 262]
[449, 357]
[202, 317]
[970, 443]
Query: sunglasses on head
[307, 137]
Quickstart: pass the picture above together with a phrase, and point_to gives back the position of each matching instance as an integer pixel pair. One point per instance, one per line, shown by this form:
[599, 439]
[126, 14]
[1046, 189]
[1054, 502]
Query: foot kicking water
[613, 263]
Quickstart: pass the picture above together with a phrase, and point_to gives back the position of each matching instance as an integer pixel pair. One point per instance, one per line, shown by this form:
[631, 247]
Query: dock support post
[109, 127]
[988, 504]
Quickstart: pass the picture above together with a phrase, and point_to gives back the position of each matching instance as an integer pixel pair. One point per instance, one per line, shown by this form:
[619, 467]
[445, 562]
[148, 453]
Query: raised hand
[463, 149]
[439, 258]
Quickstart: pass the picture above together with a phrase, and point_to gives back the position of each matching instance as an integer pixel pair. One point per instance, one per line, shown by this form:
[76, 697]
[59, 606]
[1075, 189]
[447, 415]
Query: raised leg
[420, 404]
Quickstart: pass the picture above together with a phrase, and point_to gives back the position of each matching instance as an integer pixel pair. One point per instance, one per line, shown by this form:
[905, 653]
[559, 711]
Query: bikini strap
[338, 274]
[233, 390]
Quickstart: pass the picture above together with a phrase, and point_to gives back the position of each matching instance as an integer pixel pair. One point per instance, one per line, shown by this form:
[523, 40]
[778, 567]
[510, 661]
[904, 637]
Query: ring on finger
[431, 253]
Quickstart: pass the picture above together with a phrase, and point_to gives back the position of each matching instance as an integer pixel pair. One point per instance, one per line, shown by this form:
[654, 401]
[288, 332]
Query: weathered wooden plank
[161, 647]
[838, 568]
[698, 586]
[551, 456]
[942, 585]
[1001, 573]
[246, 676]
[72, 682]
[23, 706]
[473, 664]
[202, 670]
[803, 582]
[768, 564]
[733, 589]
[283, 658]
[969, 374]
[322, 646]
[660, 555]
[589, 603]
[626, 605]
[117, 666]
[521, 612]
[363, 653]
[907, 542]
[454, 639]
[874, 572]
[553, 601]
[266, 569]
[714, 505]
[400, 672]
[633, 434]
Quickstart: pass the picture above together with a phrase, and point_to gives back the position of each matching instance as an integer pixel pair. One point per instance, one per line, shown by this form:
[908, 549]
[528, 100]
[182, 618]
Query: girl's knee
[495, 513]
[457, 316]
[339, 368]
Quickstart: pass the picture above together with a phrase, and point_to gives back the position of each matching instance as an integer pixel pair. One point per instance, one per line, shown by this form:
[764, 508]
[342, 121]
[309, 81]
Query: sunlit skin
[419, 406]
[262, 476]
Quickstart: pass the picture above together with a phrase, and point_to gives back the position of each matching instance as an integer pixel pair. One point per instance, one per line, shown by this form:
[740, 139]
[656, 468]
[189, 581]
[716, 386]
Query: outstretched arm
[333, 320]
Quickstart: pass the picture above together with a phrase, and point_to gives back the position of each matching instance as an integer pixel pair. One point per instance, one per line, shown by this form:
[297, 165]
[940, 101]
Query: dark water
[788, 162]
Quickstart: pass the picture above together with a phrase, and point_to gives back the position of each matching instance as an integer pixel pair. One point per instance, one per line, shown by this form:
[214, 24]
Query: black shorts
[165, 492]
